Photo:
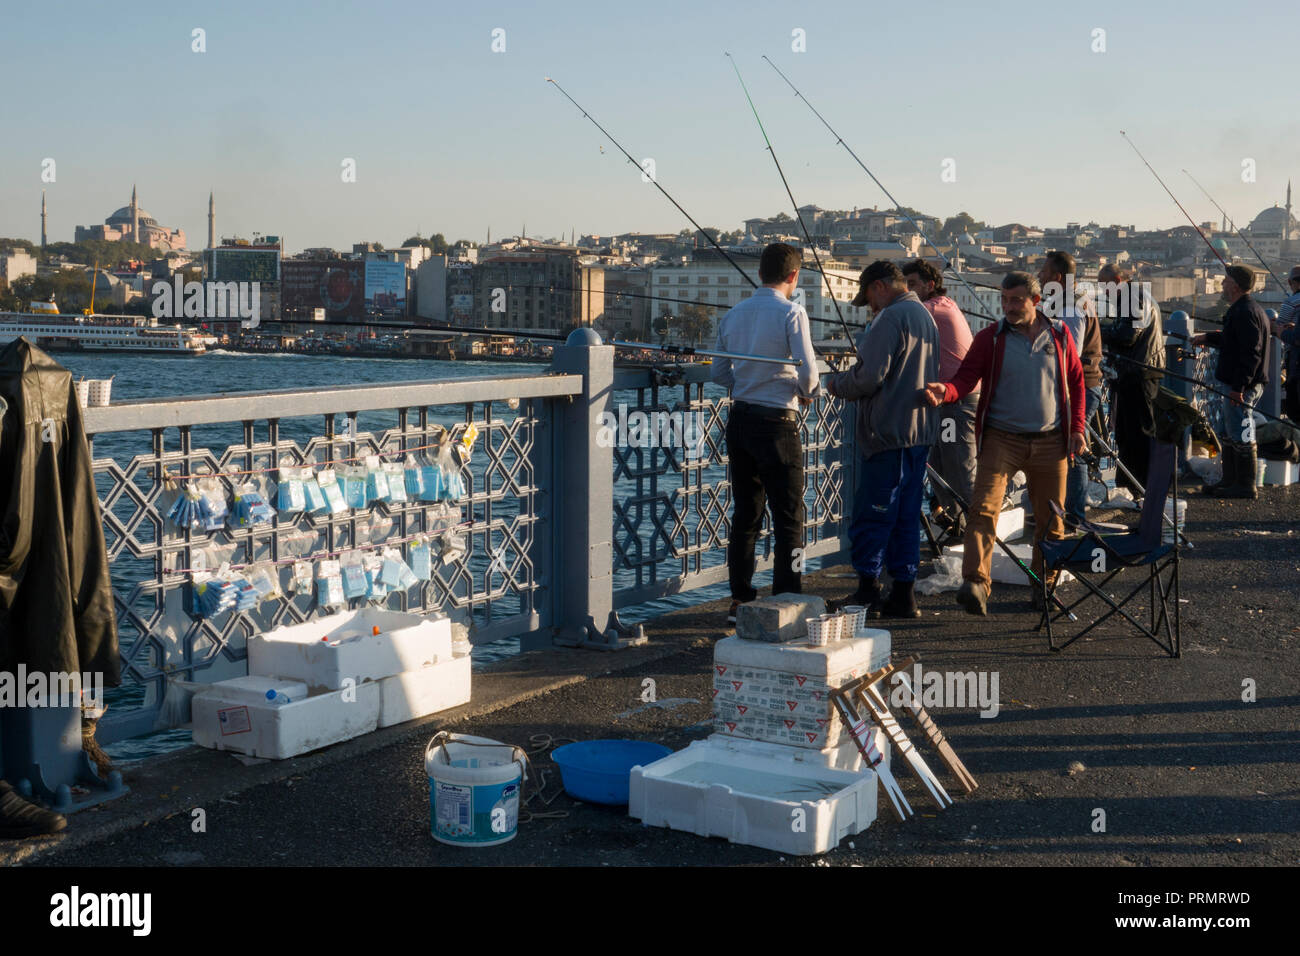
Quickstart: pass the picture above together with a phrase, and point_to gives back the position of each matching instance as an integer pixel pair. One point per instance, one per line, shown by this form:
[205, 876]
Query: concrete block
[779, 618]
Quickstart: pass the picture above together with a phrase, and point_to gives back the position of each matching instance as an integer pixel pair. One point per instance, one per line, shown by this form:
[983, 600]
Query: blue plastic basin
[599, 771]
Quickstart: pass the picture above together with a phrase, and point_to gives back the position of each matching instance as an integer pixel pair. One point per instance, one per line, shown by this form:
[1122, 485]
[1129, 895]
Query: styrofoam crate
[1011, 523]
[843, 756]
[429, 690]
[780, 693]
[236, 715]
[1006, 571]
[753, 795]
[1280, 472]
[351, 650]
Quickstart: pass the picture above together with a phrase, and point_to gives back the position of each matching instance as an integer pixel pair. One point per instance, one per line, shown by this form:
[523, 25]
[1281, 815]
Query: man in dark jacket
[1136, 342]
[897, 355]
[1243, 369]
[1030, 419]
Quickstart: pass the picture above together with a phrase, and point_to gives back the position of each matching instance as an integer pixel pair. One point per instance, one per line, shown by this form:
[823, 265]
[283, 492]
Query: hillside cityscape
[661, 287]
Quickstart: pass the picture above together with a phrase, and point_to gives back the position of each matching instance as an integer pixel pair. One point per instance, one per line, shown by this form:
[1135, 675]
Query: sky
[1016, 102]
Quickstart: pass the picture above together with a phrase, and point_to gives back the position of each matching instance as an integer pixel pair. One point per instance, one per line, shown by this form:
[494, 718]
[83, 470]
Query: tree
[954, 226]
[695, 323]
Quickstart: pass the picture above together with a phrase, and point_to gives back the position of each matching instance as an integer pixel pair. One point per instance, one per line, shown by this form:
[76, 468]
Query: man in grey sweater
[897, 355]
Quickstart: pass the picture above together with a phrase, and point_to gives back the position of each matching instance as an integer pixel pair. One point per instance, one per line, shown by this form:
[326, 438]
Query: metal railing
[544, 562]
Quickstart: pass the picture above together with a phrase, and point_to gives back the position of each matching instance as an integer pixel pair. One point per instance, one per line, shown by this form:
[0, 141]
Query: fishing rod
[1204, 237]
[1198, 382]
[1237, 231]
[1034, 580]
[786, 183]
[655, 181]
[840, 140]
[689, 350]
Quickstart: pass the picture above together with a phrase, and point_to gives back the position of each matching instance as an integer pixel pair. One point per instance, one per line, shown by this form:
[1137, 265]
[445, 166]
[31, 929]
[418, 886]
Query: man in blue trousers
[897, 355]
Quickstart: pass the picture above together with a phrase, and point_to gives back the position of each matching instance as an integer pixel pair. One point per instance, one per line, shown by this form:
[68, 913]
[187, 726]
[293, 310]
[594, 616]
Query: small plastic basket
[856, 620]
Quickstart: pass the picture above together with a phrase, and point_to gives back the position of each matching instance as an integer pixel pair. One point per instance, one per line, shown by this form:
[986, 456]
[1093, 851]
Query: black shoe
[867, 594]
[901, 603]
[20, 818]
[974, 597]
[731, 614]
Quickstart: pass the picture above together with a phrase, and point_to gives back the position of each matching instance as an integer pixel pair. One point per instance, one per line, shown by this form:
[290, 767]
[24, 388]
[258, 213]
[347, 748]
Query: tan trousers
[1043, 460]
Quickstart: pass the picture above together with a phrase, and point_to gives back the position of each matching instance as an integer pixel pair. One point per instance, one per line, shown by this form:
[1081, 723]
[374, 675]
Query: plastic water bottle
[278, 697]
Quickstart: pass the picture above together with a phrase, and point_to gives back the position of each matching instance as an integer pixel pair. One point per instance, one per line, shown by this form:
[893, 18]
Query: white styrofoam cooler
[1005, 571]
[428, 690]
[1280, 473]
[236, 715]
[780, 693]
[351, 649]
[767, 795]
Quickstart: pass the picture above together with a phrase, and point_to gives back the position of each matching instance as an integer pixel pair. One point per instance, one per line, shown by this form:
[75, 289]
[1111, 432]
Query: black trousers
[1133, 415]
[1291, 396]
[766, 471]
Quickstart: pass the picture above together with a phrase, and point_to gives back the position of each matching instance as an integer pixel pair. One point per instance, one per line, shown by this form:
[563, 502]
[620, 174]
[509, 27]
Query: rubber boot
[867, 594]
[20, 818]
[901, 602]
[1244, 487]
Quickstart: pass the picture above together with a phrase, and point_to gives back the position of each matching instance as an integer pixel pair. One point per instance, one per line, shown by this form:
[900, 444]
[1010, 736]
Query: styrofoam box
[405, 642]
[844, 756]
[1011, 523]
[748, 792]
[412, 694]
[780, 693]
[1280, 473]
[1005, 571]
[235, 715]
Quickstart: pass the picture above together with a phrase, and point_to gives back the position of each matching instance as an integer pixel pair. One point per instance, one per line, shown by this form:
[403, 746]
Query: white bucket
[100, 390]
[474, 789]
[83, 392]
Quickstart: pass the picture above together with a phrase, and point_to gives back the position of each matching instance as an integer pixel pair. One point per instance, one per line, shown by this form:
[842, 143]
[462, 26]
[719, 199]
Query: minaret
[1286, 228]
[43, 215]
[135, 217]
[212, 222]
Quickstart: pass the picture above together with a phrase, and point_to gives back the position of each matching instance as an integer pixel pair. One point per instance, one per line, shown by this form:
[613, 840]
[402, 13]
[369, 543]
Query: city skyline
[450, 137]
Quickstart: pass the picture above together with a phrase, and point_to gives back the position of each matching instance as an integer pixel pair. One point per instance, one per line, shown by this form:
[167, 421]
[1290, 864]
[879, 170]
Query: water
[153, 377]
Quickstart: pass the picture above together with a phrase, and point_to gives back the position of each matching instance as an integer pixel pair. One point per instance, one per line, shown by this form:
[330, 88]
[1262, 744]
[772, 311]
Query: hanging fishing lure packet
[421, 559]
[291, 494]
[355, 584]
[396, 573]
[329, 583]
[311, 489]
[395, 476]
[376, 479]
[328, 480]
[414, 477]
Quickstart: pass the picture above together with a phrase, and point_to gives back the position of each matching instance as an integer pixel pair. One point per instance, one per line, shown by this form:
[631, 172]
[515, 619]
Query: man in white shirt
[763, 446]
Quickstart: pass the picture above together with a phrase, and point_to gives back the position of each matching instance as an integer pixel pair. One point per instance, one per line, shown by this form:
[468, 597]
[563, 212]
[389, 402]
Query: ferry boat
[53, 331]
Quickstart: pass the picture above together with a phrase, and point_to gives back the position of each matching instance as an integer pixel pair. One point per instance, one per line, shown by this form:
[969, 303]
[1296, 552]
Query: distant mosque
[1275, 231]
[133, 224]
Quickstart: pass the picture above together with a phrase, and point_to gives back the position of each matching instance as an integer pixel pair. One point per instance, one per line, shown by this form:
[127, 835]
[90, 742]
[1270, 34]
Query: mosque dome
[1273, 219]
[123, 218]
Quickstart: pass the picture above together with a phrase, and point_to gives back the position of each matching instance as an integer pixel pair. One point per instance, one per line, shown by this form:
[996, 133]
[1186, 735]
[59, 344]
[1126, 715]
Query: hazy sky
[449, 136]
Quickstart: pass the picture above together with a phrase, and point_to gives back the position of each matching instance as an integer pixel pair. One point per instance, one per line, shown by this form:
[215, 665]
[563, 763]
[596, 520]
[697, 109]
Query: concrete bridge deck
[1187, 773]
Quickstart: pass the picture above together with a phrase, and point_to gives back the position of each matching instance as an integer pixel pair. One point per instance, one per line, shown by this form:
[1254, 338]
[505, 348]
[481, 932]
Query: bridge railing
[563, 520]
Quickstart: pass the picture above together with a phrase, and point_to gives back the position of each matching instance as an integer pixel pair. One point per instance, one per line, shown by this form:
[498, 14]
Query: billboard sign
[335, 285]
[244, 265]
[386, 287]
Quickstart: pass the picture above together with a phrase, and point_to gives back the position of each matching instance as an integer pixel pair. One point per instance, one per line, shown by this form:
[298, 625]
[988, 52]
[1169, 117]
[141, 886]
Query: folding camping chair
[1096, 557]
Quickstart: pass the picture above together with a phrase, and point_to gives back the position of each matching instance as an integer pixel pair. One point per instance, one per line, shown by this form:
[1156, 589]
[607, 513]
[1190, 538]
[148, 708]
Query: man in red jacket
[1030, 418]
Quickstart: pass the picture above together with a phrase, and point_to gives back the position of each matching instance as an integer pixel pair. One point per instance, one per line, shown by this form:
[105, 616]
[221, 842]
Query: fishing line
[797, 214]
[897, 205]
[1238, 231]
[1203, 236]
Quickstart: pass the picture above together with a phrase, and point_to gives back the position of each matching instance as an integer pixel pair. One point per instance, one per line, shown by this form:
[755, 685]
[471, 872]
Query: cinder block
[778, 619]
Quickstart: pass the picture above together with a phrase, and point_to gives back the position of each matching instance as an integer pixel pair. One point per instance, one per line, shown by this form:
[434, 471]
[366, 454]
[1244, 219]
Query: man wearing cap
[1288, 331]
[1243, 369]
[897, 354]
[763, 446]
[1030, 419]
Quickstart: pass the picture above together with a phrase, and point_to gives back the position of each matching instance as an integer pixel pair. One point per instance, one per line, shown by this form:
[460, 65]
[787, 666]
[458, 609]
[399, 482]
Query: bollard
[582, 495]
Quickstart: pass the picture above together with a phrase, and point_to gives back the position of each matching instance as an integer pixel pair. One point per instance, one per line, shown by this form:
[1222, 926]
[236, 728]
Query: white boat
[56, 332]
